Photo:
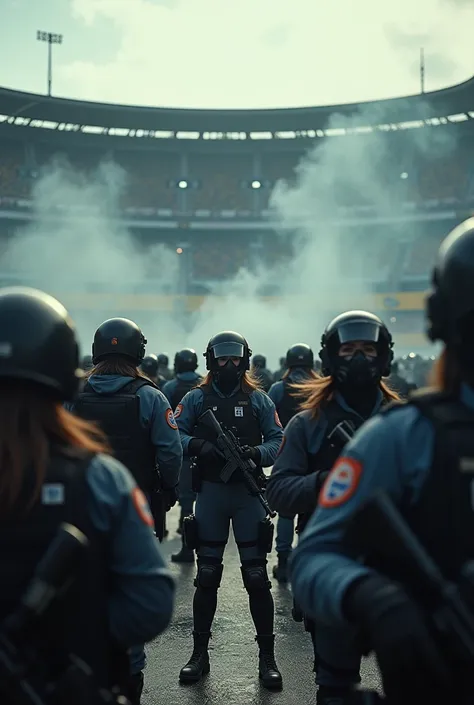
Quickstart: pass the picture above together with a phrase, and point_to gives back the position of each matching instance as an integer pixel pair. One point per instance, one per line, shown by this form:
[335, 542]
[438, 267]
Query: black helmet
[227, 344]
[163, 360]
[259, 361]
[38, 341]
[356, 325]
[149, 365]
[118, 336]
[299, 355]
[452, 297]
[185, 360]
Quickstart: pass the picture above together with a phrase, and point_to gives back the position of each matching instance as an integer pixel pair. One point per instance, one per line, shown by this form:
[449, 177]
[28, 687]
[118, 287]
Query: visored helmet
[227, 344]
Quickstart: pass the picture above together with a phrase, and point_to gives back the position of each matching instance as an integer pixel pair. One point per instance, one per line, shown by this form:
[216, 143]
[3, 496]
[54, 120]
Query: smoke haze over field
[85, 249]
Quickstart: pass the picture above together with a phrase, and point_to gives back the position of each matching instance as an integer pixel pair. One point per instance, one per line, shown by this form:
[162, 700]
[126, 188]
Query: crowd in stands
[220, 180]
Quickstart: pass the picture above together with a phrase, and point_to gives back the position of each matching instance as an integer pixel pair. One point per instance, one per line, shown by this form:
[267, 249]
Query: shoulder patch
[341, 483]
[277, 419]
[170, 419]
[142, 507]
[178, 411]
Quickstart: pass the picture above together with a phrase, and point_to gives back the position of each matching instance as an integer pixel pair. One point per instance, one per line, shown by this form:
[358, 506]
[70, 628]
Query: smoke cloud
[78, 248]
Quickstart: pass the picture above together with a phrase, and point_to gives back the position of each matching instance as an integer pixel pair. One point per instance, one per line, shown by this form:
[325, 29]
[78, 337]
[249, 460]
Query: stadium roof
[456, 99]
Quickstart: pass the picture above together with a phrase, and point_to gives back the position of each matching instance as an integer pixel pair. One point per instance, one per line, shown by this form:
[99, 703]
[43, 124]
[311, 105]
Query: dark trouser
[187, 496]
[216, 506]
[337, 655]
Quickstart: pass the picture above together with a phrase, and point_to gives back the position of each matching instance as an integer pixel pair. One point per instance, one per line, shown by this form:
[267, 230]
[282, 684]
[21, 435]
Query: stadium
[201, 185]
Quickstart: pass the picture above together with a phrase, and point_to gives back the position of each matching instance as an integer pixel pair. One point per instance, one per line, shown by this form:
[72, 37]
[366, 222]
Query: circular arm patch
[341, 483]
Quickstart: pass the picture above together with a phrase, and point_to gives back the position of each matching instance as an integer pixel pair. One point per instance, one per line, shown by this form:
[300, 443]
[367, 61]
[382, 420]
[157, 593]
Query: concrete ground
[233, 679]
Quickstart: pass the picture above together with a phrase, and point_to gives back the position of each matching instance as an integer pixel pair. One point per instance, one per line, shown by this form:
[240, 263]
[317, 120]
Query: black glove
[249, 452]
[205, 451]
[170, 497]
[396, 630]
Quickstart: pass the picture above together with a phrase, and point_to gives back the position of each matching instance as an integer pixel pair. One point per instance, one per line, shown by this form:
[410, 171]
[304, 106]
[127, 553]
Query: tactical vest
[181, 389]
[118, 415]
[236, 414]
[442, 516]
[288, 406]
[79, 623]
[329, 451]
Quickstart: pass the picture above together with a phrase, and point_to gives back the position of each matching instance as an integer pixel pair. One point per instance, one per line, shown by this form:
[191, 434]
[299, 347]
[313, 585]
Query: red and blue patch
[341, 483]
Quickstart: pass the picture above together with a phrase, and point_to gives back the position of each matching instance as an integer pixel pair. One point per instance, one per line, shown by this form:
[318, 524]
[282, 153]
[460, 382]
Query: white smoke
[78, 249]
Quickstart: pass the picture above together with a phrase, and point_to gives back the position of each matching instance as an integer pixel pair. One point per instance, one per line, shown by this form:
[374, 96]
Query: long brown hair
[116, 365]
[249, 383]
[30, 424]
[314, 393]
[445, 375]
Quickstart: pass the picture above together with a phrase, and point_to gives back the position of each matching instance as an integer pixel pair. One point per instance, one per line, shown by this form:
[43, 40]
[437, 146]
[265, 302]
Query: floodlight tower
[51, 39]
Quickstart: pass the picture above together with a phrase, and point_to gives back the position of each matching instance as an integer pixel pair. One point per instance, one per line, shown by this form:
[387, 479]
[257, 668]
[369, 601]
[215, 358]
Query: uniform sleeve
[157, 415]
[186, 414]
[276, 393]
[142, 589]
[391, 452]
[270, 425]
[290, 489]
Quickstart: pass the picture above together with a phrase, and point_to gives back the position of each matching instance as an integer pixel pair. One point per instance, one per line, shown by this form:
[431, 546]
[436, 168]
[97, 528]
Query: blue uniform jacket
[142, 589]
[391, 452]
[155, 415]
[290, 489]
[191, 407]
[277, 390]
[169, 387]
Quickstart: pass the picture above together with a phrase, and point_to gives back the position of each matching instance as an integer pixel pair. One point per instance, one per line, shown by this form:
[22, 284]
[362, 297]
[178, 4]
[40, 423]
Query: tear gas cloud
[77, 246]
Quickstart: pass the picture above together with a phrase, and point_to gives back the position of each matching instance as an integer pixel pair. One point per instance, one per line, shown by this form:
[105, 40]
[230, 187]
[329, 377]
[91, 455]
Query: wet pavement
[233, 679]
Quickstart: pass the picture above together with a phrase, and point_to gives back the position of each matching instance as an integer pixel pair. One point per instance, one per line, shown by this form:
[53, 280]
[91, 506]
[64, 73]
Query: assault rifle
[23, 672]
[379, 532]
[230, 448]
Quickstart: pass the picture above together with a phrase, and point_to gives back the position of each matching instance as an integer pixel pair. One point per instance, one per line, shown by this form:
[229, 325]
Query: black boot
[328, 695]
[267, 668]
[185, 555]
[135, 687]
[280, 571]
[198, 664]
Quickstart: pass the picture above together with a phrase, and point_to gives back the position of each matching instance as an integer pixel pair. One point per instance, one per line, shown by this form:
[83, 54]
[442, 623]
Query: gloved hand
[396, 630]
[252, 453]
[206, 451]
[170, 497]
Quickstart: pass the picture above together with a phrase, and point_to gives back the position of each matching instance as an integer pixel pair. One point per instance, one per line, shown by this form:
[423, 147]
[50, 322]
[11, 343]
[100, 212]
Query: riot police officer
[163, 366]
[149, 366]
[186, 377]
[233, 396]
[356, 352]
[299, 363]
[420, 454]
[135, 416]
[54, 470]
[259, 370]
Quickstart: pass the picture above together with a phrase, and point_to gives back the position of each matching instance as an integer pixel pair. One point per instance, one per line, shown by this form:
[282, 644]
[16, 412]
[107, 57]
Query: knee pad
[209, 574]
[255, 578]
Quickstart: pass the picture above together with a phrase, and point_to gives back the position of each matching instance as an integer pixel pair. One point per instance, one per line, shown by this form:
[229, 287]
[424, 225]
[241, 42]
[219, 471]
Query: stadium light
[256, 184]
[404, 175]
[51, 39]
[179, 250]
[182, 184]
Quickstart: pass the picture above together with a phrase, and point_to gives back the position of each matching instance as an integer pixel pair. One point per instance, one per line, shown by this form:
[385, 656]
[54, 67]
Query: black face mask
[358, 372]
[228, 376]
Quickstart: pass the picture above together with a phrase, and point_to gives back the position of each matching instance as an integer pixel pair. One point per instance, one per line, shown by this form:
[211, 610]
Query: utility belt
[200, 474]
[192, 540]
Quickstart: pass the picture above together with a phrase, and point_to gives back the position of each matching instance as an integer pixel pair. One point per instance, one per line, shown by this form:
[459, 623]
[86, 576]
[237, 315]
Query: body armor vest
[118, 415]
[329, 451]
[236, 414]
[288, 406]
[181, 389]
[77, 624]
[442, 517]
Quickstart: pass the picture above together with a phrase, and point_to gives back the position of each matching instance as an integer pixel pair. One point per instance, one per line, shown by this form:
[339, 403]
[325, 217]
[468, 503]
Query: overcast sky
[236, 53]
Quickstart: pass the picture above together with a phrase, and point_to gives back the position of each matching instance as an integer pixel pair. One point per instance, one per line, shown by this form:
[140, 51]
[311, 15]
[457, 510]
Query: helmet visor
[229, 349]
[366, 331]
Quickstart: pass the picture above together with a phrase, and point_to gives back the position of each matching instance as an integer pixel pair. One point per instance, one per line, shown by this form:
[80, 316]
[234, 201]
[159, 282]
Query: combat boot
[328, 695]
[198, 664]
[280, 571]
[185, 555]
[267, 668]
